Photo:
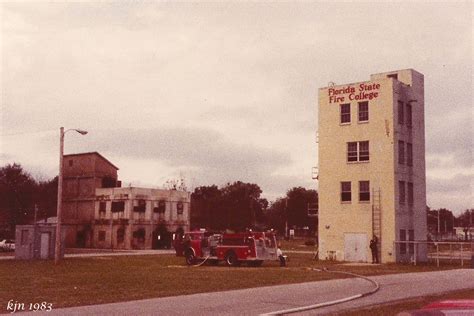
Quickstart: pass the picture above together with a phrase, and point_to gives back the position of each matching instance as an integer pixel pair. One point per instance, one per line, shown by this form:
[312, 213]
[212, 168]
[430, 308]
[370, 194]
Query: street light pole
[57, 245]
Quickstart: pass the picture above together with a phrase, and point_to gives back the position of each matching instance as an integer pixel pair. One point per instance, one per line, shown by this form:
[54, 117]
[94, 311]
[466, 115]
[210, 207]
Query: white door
[44, 250]
[355, 247]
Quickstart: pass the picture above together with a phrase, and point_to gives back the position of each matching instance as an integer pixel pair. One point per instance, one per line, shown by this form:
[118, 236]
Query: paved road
[261, 300]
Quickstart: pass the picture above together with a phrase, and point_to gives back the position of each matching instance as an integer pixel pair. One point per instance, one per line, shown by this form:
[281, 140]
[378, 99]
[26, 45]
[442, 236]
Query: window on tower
[352, 151]
[345, 113]
[401, 152]
[363, 111]
[401, 192]
[358, 151]
[409, 115]
[401, 114]
[364, 191]
[409, 154]
[346, 195]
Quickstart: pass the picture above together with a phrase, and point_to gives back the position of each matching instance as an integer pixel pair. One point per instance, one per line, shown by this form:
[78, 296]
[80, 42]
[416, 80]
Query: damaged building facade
[99, 213]
[139, 218]
[372, 168]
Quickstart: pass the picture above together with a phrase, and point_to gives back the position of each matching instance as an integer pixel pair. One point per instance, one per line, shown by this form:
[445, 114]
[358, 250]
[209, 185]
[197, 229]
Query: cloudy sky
[219, 92]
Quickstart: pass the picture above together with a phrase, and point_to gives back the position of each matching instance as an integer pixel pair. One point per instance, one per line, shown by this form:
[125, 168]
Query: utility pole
[57, 244]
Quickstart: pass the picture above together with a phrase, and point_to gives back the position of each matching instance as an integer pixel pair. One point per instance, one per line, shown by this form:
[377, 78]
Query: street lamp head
[82, 132]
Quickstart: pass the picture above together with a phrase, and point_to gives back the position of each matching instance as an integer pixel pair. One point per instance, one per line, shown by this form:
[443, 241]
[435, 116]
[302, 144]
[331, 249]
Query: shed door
[44, 251]
[355, 247]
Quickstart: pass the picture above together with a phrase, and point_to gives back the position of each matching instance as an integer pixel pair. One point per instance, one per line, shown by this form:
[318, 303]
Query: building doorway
[355, 247]
[44, 250]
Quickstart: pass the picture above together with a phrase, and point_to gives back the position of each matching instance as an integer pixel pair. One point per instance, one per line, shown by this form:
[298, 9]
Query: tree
[293, 209]
[235, 206]
[466, 221]
[17, 195]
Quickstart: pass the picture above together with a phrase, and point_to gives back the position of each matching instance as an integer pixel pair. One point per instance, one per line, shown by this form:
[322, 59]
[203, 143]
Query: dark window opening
[102, 235]
[363, 111]
[120, 235]
[401, 188]
[139, 234]
[394, 76]
[409, 154]
[141, 207]
[161, 207]
[410, 193]
[108, 182]
[403, 237]
[345, 113]
[401, 152]
[118, 206]
[364, 191]
[102, 207]
[346, 195]
[411, 237]
[180, 207]
[409, 115]
[352, 151]
[70, 162]
[364, 151]
[401, 114]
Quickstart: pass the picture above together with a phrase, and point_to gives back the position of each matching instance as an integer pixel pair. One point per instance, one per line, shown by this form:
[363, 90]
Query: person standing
[374, 249]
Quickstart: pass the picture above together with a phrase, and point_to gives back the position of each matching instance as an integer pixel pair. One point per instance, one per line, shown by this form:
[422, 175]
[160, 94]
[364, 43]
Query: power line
[31, 132]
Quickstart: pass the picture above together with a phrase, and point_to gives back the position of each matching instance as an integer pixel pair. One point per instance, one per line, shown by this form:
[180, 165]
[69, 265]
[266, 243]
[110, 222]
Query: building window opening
[161, 208]
[102, 235]
[71, 162]
[118, 207]
[401, 152]
[401, 188]
[180, 208]
[364, 151]
[102, 208]
[409, 115]
[401, 114]
[411, 238]
[139, 235]
[410, 194]
[403, 237]
[363, 111]
[409, 154]
[345, 113]
[393, 76]
[141, 207]
[352, 151]
[120, 235]
[346, 195]
[364, 191]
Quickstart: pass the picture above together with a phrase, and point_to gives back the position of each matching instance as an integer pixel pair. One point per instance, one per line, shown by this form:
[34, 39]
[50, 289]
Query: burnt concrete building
[82, 174]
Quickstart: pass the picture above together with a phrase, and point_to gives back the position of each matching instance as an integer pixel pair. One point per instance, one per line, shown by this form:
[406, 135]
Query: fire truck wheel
[190, 258]
[231, 259]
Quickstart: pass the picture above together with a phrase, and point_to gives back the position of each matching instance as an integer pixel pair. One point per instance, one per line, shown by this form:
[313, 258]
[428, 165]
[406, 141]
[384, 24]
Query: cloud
[454, 193]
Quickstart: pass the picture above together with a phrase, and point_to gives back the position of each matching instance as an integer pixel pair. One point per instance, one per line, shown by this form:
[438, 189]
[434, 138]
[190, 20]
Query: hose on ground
[330, 303]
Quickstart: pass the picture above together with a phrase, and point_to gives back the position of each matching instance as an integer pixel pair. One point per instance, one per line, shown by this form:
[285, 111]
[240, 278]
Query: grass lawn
[410, 304]
[95, 280]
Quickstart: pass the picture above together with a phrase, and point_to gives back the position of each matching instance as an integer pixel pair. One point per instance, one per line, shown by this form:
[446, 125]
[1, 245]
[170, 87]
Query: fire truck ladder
[377, 217]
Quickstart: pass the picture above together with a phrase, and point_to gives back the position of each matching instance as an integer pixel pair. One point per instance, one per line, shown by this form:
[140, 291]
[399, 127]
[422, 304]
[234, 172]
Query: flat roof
[92, 153]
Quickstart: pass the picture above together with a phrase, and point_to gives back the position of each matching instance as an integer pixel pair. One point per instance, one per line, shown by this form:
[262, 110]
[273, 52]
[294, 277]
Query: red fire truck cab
[250, 247]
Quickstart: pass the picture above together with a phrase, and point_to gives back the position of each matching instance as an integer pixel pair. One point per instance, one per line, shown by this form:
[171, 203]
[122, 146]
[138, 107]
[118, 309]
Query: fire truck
[233, 248]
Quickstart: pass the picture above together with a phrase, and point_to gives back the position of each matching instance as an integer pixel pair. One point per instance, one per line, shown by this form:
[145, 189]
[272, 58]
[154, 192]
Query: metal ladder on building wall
[377, 218]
